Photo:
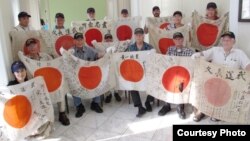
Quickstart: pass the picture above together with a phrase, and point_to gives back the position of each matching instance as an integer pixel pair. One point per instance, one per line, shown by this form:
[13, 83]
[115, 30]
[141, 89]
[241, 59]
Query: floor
[118, 122]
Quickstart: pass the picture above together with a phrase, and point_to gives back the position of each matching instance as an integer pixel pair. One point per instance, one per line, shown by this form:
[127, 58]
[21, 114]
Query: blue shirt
[133, 47]
[85, 53]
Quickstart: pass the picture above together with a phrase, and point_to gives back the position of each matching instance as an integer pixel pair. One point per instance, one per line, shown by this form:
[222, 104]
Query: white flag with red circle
[162, 39]
[158, 22]
[130, 68]
[206, 33]
[124, 27]
[169, 77]
[24, 109]
[92, 30]
[65, 41]
[52, 72]
[221, 92]
[87, 79]
[18, 39]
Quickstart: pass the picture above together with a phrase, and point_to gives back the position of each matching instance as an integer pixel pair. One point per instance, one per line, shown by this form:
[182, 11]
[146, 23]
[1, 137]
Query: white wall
[7, 9]
[241, 29]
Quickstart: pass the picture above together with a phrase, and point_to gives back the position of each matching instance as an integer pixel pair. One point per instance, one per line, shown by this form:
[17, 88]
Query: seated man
[88, 54]
[177, 50]
[34, 53]
[109, 38]
[140, 45]
[225, 55]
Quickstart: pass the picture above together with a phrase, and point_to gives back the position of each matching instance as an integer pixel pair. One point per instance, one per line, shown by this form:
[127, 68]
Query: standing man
[124, 13]
[156, 12]
[91, 14]
[88, 54]
[59, 28]
[178, 50]
[225, 55]
[140, 45]
[24, 20]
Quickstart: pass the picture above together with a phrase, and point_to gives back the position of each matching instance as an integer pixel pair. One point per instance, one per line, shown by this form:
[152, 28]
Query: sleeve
[208, 54]
[244, 60]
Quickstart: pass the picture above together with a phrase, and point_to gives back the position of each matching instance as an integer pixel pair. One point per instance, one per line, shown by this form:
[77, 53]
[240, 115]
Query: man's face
[60, 22]
[177, 19]
[33, 48]
[91, 15]
[156, 13]
[227, 42]
[211, 13]
[24, 21]
[139, 37]
[79, 42]
[124, 15]
[108, 40]
[178, 41]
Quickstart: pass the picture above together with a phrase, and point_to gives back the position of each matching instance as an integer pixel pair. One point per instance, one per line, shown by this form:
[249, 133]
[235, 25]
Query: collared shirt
[134, 47]
[235, 59]
[85, 53]
[60, 31]
[42, 57]
[21, 28]
[184, 51]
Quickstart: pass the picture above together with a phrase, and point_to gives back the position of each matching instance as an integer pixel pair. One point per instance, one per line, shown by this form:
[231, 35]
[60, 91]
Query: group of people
[225, 55]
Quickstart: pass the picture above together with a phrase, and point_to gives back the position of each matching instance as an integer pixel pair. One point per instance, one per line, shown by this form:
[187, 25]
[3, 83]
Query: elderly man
[140, 45]
[178, 50]
[225, 55]
[24, 20]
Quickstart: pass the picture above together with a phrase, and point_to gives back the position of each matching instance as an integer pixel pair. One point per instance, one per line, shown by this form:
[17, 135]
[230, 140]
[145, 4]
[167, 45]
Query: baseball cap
[59, 15]
[30, 41]
[108, 35]
[91, 10]
[78, 35]
[139, 31]
[17, 65]
[177, 13]
[177, 35]
[229, 34]
[211, 5]
[156, 8]
[23, 14]
[124, 11]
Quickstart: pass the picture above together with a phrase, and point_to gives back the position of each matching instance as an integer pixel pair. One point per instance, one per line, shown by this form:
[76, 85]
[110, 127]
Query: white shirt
[235, 59]
[21, 28]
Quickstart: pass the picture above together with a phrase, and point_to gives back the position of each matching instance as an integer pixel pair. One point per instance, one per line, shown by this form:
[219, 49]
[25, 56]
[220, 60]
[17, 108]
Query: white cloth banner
[92, 30]
[53, 73]
[162, 39]
[18, 39]
[221, 92]
[130, 70]
[112, 47]
[87, 79]
[169, 77]
[206, 33]
[124, 27]
[24, 109]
